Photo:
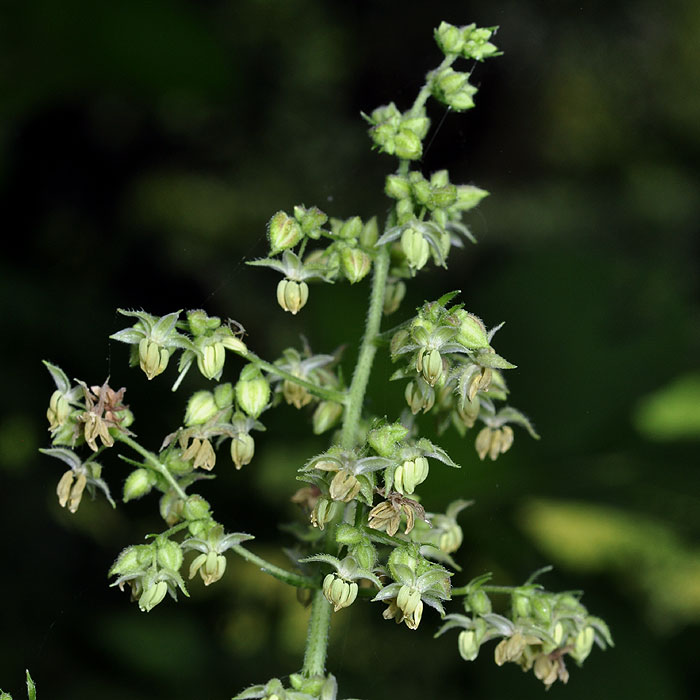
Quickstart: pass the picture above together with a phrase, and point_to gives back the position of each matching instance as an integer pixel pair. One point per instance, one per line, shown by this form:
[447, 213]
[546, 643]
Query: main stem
[320, 620]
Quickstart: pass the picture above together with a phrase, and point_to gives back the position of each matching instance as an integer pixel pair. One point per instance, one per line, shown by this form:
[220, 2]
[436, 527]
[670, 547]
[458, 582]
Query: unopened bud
[415, 248]
[196, 508]
[324, 511]
[419, 396]
[211, 567]
[242, 449]
[200, 408]
[59, 410]
[138, 484]
[152, 357]
[583, 644]
[326, 415]
[479, 602]
[449, 38]
[211, 360]
[468, 645]
[292, 295]
[431, 366]
[169, 554]
[408, 145]
[355, 263]
[284, 232]
[252, 391]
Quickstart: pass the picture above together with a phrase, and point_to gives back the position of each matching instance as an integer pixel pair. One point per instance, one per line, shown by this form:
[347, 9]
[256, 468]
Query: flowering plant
[366, 535]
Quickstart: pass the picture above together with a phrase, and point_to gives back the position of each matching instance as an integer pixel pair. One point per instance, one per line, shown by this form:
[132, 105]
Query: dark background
[143, 147]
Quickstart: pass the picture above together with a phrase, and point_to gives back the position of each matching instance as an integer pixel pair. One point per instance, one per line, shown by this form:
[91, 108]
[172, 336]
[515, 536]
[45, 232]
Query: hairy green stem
[368, 348]
[282, 574]
[153, 462]
[464, 590]
[321, 392]
[317, 636]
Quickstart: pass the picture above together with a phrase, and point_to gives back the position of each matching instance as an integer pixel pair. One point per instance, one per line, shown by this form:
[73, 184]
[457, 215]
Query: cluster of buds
[301, 687]
[154, 339]
[398, 134]
[151, 571]
[416, 581]
[470, 42]
[540, 631]
[440, 535]
[349, 252]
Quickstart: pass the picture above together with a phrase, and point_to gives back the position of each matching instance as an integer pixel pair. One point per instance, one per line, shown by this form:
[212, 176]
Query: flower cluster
[539, 632]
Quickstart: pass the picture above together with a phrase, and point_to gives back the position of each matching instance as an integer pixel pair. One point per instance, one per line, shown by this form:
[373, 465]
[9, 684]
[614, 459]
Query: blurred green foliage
[144, 145]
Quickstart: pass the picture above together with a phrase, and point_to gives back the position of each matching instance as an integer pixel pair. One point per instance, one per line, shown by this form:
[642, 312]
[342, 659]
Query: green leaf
[512, 415]
[31, 688]
[59, 377]
[492, 360]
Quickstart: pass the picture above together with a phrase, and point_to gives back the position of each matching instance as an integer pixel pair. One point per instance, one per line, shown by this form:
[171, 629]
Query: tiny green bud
[583, 644]
[408, 145]
[211, 359]
[415, 248]
[59, 410]
[521, 605]
[541, 609]
[169, 554]
[223, 395]
[153, 595]
[324, 511]
[326, 415]
[370, 233]
[404, 210]
[152, 357]
[200, 408]
[365, 554]
[468, 645]
[431, 366]
[383, 440]
[397, 187]
[449, 38]
[355, 264]
[138, 484]
[283, 232]
[196, 508]
[351, 228]
[419, 396]
[292, 295]
[468, 196]
[479, 602]
[252, 391]
[242, 449]
[199, 322]
[472, 331]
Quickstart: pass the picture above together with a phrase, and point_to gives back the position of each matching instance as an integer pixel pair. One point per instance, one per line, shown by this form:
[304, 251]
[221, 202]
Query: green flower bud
[347, 534]
[440, 178]
[351, 228]
[404, 211]
[453, 89]
[479, 602]
[152, 357]
[138, 484]
[365, 554]
[199, 322]
[583, 644]
[59, 410]
[418, 125]
[451, 539]
[211, 567]
[242, 449]
[211, 359]
[472, 331]
[404, 556]
[201, 408]
[431, 366]
[370, 233]
[355, 263]
[409, 474]
[311, 220]
[153, 595]
[344, 486]
[476, 42]
[468, 196]
[468, 645]
[395, 292]
[521, 605]
[252, 391]
[223, 395]
[397, 187]
[422, 191]
[171, 508]
[383, 440]
[419, 396]
[292, 295]
[415, 248]
[324, 511]
[326, 415]
[169, 554]
[558, 633]
[196, 508]
[338, 592]
[442, 197]
[408, 145]
[283, 232]
[541, 609]
[131, 560]
[449, 38]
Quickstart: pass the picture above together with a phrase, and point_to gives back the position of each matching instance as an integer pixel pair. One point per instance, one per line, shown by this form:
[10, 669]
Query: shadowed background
[144, 146]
